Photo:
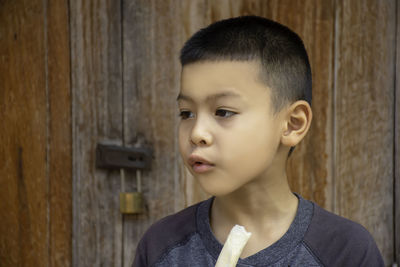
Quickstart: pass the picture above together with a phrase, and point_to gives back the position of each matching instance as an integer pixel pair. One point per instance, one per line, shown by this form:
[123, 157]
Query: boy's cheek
[184, 143]
[182, 131]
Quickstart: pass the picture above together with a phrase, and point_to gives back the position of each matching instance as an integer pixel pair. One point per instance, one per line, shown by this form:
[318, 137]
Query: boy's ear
[297, 122]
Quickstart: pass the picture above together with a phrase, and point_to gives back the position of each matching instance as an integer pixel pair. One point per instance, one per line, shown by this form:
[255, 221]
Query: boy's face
[228, 134]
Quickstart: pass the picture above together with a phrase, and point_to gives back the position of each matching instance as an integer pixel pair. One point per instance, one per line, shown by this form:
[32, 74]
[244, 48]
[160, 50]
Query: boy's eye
[185, 114]
[224, 113]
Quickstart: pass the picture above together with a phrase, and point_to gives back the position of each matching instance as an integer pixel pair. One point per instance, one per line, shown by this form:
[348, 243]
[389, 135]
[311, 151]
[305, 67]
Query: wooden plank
[60, 139]
[397, 145]
[96, 76]
[23, 180]
[151, 84]
[364, 75]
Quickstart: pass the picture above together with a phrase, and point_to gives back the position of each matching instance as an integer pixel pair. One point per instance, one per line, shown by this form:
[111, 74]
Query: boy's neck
[265, 210]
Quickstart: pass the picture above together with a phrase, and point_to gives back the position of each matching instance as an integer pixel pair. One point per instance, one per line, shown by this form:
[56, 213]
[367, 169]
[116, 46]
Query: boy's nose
[200, 135]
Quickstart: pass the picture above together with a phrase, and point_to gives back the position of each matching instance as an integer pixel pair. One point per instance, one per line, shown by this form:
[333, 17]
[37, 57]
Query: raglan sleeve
[164, 234]
[367, 250]
[336, 241]
[140, 259]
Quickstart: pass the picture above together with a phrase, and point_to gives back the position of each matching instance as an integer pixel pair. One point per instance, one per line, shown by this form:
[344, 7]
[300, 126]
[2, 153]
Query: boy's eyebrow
[210, 97]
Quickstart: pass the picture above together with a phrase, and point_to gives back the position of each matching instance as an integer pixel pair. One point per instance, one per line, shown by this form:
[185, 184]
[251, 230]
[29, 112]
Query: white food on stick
[233, 247]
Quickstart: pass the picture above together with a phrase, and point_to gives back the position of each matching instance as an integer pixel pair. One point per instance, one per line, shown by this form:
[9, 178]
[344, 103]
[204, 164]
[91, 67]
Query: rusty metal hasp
[117, 157]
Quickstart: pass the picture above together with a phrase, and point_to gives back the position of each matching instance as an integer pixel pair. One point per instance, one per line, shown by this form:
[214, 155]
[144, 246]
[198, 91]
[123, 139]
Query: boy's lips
[199, 164]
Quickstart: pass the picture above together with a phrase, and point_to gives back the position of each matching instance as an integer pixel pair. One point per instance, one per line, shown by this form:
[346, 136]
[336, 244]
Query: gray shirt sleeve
[336, 241]
[164, 235]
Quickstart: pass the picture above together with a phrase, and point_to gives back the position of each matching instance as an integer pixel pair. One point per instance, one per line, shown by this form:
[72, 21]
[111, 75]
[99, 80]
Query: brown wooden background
[77, 73]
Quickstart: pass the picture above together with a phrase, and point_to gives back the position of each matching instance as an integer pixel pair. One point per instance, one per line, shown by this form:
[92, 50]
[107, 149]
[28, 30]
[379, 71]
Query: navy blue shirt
[316, 237]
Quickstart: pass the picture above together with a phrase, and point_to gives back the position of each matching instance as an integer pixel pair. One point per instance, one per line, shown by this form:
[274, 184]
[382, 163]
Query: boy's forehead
[221, 79]
[225, 67]
[211, 97]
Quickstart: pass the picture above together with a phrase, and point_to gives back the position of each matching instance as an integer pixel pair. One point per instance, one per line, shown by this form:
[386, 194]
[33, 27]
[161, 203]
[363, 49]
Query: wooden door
[35, 134]
[77, 73]
[125, 77]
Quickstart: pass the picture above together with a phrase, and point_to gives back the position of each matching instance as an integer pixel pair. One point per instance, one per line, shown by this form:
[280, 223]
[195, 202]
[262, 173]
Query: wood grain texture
[151, 84]
[364, 72]
[23, 180]
[396, 142]
[97, 117]
[59, 131]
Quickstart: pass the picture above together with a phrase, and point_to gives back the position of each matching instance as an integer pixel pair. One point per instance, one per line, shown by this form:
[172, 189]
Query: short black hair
[281, 52]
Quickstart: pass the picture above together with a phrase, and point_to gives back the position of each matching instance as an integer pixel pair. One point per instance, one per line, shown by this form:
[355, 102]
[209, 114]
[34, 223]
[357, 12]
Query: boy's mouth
[199, 164]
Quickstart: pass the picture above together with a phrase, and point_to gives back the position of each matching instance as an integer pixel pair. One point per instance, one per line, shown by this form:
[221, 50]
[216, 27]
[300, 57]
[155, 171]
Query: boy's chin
[216, 190]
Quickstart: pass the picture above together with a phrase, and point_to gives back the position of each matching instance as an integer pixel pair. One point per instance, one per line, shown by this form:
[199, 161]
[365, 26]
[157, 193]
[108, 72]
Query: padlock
[132, 202]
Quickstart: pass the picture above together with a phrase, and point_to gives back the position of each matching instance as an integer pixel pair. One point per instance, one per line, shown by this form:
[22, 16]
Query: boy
[244, 104]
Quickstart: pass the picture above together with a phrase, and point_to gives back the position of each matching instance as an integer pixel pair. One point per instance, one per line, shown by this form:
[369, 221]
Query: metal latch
[117, 157]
